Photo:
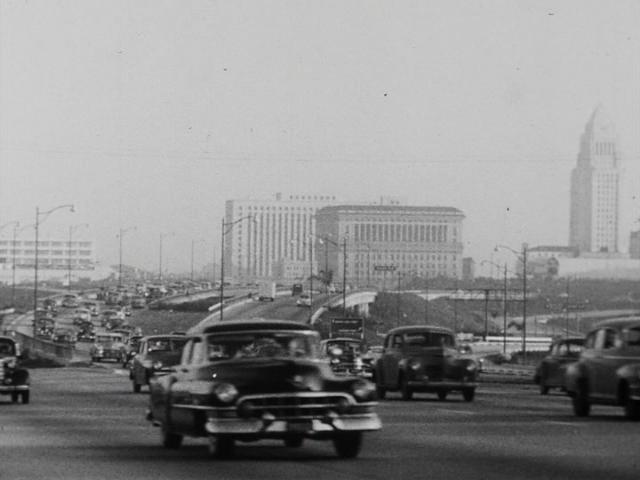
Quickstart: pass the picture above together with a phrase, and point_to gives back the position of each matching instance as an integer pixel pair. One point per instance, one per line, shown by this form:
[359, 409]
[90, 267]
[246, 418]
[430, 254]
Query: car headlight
[158, 365]
[358, 363]
[414, 365]
[226, 392]
[362, 390]
[471, 367]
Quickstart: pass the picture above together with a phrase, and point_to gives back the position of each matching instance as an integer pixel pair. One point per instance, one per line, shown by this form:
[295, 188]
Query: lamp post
[162, 235]
[344, 266]
[120, 235]
[522, 256]
[223, 232]
[72, 229]
[39, 214]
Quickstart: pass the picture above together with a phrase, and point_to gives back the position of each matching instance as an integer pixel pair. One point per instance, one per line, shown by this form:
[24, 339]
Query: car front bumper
[268, 426]
[427, 385]
[13, 388]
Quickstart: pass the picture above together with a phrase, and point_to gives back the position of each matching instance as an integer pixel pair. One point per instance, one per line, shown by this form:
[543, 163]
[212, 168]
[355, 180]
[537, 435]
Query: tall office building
[276, 242]
[595, 185]
[373, 244]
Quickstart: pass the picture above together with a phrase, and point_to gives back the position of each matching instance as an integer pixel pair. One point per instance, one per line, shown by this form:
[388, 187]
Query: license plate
[299, 427]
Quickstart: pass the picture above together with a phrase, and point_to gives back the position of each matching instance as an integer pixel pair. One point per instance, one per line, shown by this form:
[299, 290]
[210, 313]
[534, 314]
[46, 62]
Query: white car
[304, 300]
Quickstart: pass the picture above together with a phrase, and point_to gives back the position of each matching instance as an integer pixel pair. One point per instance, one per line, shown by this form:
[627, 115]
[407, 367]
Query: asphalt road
[84, 423]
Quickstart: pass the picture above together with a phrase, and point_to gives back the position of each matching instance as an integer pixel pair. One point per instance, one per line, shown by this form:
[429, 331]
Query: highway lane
[83, 423]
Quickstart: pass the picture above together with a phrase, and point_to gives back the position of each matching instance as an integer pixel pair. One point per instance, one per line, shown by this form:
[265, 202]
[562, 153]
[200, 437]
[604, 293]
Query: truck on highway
[267, 291]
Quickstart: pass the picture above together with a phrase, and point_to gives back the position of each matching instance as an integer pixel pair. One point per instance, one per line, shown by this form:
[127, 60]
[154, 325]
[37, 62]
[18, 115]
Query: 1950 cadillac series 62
[260, 379]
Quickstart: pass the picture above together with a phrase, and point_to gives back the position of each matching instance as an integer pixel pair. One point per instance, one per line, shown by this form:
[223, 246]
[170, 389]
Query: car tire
[631, 407]
[136, 386]
[347, 444]
[222, 447]
[294, 441]
[468, 394]
[543, 388]
[380, 390]
[405, 389]
[25, 397]
[14, 397]
[442, 395]
[171, 440]
[580, 400]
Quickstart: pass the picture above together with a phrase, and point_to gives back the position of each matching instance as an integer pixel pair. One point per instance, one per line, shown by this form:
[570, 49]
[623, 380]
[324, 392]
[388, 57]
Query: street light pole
[222, 234]
[344, 276]
[35, 266]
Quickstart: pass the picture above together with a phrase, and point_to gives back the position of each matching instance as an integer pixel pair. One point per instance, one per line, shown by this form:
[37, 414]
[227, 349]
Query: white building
[384, 241]
[274, 240]
[595, 185]
[57, 259]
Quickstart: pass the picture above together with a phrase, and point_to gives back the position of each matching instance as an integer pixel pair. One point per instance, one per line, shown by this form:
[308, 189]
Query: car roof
[256, 324]
[165, 337]
[420, 328]
[621, 322]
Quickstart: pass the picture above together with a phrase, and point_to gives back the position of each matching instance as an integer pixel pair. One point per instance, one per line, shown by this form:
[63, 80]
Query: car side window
[611, 339]
[600, 340]
[397, 341]
[186, 353]
[633, 337]
[590, 341]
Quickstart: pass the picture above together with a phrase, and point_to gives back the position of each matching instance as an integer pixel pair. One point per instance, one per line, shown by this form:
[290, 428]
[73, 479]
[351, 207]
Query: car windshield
[108, 338]
[428, 339]
[262, 345]
[165, 344]
[7, 348]
[344, 346]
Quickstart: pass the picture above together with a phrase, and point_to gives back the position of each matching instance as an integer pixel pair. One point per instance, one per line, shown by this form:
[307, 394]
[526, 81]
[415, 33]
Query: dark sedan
[243, 381]
[157, 354]
[550, 372]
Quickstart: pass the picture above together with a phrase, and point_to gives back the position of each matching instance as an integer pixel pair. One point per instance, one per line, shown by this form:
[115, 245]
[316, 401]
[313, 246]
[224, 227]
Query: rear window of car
[633, 337]
[428, 339]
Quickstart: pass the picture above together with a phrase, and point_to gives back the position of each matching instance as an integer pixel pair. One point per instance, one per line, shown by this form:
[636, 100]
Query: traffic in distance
[241, 381]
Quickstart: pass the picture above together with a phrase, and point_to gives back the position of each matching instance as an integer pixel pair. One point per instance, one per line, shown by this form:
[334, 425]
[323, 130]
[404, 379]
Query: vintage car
[550, 371]
[156, 355]
[131, 347]
[14, 380]
[248, 380]
[608, 370]
[346, 357]
[45, 327]
[304, 300]
[424, 358]
[64, 336]
[107, 346]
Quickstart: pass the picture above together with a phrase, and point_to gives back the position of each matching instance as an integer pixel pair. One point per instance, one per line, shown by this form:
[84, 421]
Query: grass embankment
[153, 322]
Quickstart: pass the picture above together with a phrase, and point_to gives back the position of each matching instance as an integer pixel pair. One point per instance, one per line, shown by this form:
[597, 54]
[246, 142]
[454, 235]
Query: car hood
[272, 375]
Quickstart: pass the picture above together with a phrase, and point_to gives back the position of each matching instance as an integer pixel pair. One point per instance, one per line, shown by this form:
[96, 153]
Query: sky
[147, 115]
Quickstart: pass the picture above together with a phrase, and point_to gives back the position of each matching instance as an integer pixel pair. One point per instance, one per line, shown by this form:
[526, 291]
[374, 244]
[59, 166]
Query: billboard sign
[347, 327]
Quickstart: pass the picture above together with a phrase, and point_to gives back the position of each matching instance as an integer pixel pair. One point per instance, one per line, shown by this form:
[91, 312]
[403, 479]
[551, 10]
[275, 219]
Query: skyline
[153, 114]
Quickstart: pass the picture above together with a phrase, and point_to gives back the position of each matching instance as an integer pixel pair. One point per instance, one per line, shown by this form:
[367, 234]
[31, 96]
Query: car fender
[575, 372]
[630, 373]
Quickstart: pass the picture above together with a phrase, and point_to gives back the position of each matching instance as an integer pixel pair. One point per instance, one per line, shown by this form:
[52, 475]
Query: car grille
[294, 406]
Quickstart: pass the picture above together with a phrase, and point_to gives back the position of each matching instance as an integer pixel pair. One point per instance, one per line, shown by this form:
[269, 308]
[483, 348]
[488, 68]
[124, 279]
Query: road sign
[347, 327]
[384, 268]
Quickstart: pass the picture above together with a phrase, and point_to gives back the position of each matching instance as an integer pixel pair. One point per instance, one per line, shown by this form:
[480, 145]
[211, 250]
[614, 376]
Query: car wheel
[631, 407]
[25, 396]
[380, 390]
[136, 386]
[14, 397]
[405, 390]
[442, 395]
[468, 394]
[543, 388]
[293, 441]
[347, 444]
[170, 439]
[581, 405]
[222, 446]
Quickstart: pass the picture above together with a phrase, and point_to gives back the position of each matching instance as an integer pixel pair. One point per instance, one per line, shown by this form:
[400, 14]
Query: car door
[391, 359]
[185, 374]
[604, 364]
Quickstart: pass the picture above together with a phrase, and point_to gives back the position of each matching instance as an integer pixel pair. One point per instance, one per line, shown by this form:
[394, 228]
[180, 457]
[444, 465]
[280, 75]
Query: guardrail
[44, 347]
